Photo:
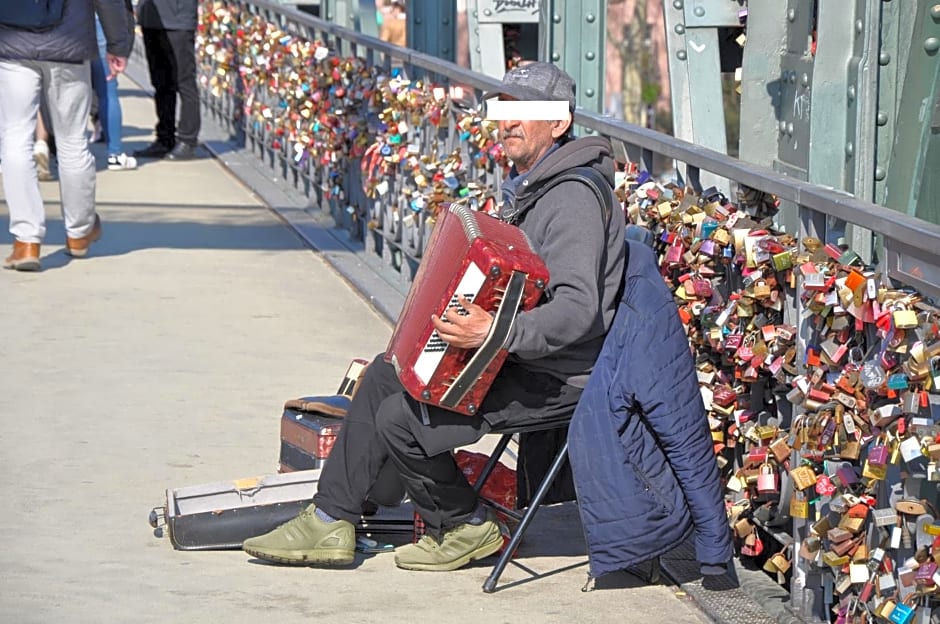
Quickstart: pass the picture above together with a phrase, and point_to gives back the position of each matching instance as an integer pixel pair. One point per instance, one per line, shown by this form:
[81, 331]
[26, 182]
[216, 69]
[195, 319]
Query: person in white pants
[54, 62]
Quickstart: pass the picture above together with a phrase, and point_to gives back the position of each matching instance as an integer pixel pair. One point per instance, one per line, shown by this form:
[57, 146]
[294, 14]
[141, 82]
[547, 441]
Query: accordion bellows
[492, 264]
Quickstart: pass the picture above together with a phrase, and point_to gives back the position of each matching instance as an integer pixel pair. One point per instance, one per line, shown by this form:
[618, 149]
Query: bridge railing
[908, 243]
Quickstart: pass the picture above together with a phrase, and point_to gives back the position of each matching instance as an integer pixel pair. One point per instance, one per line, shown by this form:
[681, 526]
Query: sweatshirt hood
[594, 152]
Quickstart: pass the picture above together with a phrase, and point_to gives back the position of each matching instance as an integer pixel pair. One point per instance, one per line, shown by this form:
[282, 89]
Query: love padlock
[824, 486]
[767, 479]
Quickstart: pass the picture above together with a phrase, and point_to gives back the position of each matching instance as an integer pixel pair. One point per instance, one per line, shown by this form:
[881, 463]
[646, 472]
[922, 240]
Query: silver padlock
[886, 583]
[922, 615]
[910, 402]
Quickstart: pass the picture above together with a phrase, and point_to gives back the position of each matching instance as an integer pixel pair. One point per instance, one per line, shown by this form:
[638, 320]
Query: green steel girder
[843, 100]
[796, 77]
[368, 24]
[916, 130]
[760, 97]
[572, 34]
[835, 92]
[432, 27]
[896, 30]
[695, 73]
[485, 20]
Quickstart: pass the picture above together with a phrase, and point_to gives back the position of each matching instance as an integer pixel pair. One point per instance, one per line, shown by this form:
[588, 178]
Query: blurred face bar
[531, 110]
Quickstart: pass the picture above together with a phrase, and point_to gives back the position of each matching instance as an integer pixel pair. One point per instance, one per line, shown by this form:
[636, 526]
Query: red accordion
[490, 263]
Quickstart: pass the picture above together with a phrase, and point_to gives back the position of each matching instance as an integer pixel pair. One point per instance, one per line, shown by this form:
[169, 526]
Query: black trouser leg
[183, 44]
[382, 415]
[162, 64]
[435, 484]
[358, 453]
[384, 424]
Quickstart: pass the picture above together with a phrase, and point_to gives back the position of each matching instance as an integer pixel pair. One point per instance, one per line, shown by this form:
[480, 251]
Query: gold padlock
[851, 524]
[803, 477]
[799, 508]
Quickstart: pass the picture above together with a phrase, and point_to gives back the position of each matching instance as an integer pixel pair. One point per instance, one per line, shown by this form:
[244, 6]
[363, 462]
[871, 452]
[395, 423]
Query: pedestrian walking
[45, 50]
[169, 28]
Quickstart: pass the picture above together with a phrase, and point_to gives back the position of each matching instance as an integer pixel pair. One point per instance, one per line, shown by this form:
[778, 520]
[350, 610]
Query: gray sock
[479, 516]
[322, 515]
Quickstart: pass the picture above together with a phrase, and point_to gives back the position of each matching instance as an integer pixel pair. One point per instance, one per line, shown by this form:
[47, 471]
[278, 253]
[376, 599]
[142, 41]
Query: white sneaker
[117, 162]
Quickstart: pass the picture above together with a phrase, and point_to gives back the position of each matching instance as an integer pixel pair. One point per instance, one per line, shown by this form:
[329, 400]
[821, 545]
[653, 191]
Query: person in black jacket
[54, 62]
[169, 28]
[552, 349]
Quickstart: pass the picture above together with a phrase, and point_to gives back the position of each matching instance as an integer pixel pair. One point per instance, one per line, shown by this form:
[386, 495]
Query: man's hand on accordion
[464, 326]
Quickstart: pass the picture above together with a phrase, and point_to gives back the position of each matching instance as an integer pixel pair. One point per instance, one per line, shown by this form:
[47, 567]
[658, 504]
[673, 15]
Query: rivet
[556, 57]
[589, 92]
[445, 50]
[556, 18]
[487, 12]
[680, 29]
[681, 55]
[882, 118]
[678, 4]
[859, 26]
[884, 58]
[849, 148]
[790, 128]
[792, 77]
[783, 126]
[932, 45]
[935, 12]
[418, 20]
[804, 79]
[851, 92]
[590, 18]
[880, 173]
[699, 11]
[791, 15]
[589, 56]
[445, 21]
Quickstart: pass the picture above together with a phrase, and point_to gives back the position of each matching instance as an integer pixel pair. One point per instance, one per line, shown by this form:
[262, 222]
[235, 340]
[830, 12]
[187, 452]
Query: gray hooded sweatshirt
[563, 335]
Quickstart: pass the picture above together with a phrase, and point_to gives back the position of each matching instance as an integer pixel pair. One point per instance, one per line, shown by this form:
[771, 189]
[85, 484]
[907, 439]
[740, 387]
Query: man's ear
[560, 127]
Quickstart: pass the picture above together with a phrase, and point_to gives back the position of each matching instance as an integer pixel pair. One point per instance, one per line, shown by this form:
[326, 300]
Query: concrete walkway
[162, 360]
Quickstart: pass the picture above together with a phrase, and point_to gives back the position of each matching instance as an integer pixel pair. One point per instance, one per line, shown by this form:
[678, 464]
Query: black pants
[384, 424]
[171, 56]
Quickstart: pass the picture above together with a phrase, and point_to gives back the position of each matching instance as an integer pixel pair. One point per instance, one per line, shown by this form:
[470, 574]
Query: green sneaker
[460, 546]
[306, 540]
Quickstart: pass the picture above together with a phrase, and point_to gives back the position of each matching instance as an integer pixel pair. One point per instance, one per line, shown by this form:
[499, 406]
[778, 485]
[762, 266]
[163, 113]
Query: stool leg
[489, 586]
[491, 462]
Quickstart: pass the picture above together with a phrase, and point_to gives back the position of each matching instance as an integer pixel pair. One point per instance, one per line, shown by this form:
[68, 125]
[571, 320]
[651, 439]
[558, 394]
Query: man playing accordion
[552, 348]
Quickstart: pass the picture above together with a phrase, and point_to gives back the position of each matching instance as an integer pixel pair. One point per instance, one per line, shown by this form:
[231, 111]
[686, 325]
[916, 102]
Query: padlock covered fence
[819, 365]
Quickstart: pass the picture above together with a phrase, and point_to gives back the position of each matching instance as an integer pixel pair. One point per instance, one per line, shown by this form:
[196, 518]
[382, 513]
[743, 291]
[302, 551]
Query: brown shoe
[25, 257]
[78, 247]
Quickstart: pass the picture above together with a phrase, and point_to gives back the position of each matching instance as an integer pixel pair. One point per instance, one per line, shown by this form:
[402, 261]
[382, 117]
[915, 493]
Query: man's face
[526, 141]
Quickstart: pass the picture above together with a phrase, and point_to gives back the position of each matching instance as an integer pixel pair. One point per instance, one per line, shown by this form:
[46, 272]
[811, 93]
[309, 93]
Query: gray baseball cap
[537, 81]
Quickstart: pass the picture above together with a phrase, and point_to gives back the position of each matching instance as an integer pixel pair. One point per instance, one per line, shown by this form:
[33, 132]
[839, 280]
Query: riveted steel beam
[366, 19]
[572, 34]
[695, 75]
[432, 27]
[917, 128]
[760, 88]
